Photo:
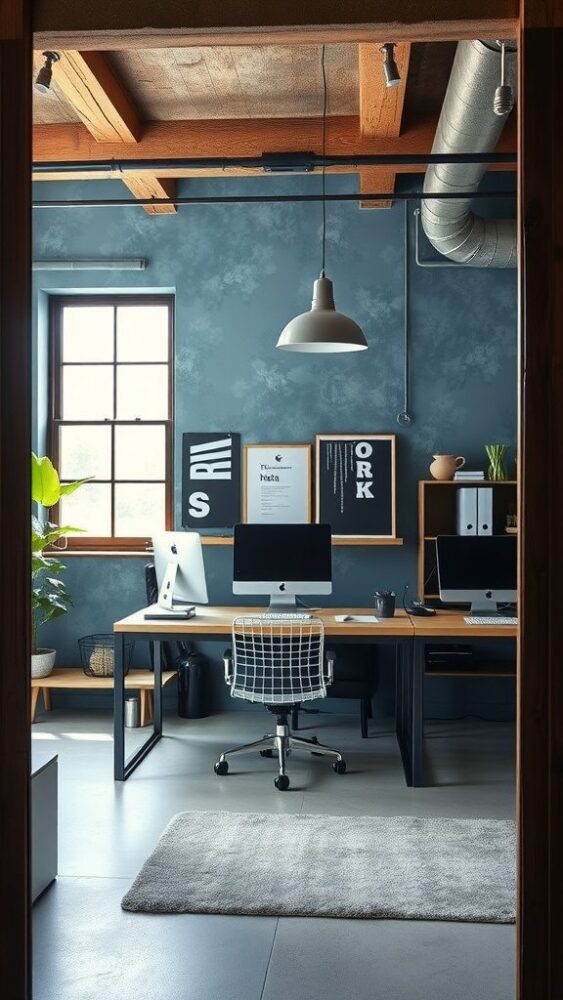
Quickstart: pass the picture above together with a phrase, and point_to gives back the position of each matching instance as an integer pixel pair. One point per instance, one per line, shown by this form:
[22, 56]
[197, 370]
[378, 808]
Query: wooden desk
[215, 624]
[442, 627]
[73, 678]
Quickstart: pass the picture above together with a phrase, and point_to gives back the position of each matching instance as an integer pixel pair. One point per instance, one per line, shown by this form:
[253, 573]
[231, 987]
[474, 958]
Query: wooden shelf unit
[437, 513]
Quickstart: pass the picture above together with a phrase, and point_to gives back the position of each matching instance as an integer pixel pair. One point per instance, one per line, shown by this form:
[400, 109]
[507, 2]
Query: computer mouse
[421, 611]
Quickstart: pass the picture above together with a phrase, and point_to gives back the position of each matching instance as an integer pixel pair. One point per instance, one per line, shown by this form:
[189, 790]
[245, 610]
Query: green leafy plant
[50, 597]
[496, 453]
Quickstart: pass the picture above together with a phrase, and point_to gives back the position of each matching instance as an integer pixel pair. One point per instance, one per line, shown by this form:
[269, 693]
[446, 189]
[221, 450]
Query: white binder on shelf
[484, 510]
[467, 510]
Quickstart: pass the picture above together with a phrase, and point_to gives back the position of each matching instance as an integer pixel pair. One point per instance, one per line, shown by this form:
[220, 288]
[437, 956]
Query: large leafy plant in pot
[50, 597]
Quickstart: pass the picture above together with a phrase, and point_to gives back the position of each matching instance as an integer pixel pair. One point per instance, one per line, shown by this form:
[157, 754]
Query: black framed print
[355, 484]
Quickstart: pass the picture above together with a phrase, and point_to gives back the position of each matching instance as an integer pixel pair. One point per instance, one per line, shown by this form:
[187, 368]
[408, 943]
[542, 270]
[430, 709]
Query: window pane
[87, 392]
[87, 333]
[85, 451]
[142, 392]
[139, 508]
[89, 508]
[140, 452]
[142, 333]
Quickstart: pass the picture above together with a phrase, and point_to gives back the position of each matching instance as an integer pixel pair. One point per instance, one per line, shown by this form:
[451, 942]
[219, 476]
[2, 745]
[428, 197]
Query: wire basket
[98, 655]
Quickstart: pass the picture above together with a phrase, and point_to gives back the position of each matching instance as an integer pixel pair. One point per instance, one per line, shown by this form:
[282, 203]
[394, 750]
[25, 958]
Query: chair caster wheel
[221, 768]
[282, 782]
[339, 766]
[266, 753]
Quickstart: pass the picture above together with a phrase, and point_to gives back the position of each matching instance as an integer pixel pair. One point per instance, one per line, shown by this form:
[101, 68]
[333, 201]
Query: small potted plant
[50, 597]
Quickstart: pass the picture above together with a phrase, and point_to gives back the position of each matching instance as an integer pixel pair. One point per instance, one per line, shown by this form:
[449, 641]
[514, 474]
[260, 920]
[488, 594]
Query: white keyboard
[491, 620]
[288, 616]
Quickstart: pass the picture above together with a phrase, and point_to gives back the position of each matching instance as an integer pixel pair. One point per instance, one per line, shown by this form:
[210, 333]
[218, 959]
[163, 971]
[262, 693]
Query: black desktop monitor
[282, 560]
[480, 569]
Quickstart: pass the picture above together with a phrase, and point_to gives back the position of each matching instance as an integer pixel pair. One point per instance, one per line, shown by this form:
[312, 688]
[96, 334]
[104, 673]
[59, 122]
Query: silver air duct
[469, 123]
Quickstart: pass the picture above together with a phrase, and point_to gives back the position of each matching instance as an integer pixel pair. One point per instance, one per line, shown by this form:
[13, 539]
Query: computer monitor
[180, 573]
[480, 569]
[282, 560]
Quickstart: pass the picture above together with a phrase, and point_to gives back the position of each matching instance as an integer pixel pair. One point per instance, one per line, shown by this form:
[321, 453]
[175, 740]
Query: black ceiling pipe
[261, 199]
[291, 162]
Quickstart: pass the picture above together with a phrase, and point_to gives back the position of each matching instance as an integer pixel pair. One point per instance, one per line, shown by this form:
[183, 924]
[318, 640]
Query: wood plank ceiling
[222, 101]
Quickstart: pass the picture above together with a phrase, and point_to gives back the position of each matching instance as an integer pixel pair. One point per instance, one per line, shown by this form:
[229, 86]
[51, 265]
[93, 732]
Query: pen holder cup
[384, 605]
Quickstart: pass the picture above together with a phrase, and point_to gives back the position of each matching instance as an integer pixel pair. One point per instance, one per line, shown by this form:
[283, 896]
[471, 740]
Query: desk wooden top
[452, 623]
[74, 677]
[219, 621]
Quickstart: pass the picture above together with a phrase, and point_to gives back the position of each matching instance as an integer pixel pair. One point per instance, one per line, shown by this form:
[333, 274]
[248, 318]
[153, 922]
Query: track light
[390, 69]
[45, 74]
[504, 98]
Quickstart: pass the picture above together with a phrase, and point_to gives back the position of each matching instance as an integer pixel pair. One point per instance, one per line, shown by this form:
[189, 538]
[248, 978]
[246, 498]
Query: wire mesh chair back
[277, 662]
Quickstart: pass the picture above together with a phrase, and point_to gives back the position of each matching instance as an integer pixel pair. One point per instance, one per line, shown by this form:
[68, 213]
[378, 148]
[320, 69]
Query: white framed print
[277, 484]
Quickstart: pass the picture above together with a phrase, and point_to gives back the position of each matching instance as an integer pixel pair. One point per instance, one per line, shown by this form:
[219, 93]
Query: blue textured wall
[239, 272]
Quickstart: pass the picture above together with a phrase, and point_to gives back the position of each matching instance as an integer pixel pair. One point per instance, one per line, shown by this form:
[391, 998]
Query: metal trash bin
[132, 713]
[193, 686]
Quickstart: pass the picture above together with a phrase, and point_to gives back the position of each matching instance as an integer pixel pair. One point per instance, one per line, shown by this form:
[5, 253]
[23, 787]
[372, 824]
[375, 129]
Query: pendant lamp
[322, 330]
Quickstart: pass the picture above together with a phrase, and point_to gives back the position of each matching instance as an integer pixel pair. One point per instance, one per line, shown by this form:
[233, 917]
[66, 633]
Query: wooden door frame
[540, 659]
[15, 441]
[540, 685]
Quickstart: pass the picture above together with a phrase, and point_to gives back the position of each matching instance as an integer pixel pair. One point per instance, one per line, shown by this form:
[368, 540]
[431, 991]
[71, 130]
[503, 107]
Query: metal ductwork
[469, 124]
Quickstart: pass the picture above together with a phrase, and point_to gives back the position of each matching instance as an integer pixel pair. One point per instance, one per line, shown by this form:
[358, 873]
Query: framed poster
[210, 480]
[355, 480]
[277, 483]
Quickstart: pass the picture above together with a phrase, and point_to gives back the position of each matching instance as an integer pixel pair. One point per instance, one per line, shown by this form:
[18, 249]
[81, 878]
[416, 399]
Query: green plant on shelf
[496, 453]
[50, 597]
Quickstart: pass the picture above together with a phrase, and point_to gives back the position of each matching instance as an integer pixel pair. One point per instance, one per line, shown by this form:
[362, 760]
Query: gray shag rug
[400, 867]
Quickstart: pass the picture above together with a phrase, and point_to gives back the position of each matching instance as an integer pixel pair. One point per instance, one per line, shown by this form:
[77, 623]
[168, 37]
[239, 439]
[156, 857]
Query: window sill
[98, 553]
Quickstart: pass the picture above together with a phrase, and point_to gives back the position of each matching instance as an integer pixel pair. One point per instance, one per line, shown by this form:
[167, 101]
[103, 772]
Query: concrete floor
[86, 948]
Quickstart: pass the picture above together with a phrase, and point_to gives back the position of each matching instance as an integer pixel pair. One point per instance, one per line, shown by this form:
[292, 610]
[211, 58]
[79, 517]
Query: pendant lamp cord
[323, 72]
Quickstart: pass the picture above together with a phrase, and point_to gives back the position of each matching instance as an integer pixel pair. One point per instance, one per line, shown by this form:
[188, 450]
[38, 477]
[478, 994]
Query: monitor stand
[167, 607]
[282, 604]
[482, 608]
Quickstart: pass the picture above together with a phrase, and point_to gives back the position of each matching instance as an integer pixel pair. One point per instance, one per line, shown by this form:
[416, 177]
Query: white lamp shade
[322, 330]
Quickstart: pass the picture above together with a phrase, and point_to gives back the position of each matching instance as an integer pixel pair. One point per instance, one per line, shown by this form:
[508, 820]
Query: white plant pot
[43, 662]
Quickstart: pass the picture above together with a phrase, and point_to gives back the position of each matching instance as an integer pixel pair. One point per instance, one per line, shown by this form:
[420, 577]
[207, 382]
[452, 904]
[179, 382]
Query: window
[112, 405]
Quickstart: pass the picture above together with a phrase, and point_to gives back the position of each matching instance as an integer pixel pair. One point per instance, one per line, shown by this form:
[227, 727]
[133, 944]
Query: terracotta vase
[444, 466]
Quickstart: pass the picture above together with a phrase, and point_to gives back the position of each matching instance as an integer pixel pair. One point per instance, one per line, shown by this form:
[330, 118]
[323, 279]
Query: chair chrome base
[281, 743]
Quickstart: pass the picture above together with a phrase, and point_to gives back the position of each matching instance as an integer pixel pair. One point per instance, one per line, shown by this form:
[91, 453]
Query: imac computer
[282, 560]
[180, 573]
[477, 569]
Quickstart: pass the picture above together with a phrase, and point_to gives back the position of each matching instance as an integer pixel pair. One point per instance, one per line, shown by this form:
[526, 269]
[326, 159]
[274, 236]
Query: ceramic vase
[444, 466]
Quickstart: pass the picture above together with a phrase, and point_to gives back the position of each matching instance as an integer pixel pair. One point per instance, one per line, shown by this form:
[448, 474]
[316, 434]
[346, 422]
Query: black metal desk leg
[417, 718]
[398, 691]
[157, 725]
[118, 709]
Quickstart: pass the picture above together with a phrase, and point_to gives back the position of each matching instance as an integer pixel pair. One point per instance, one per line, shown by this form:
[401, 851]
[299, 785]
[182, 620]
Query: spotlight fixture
[45, 74]
[322, 330]
[390, 69]
[504, 98]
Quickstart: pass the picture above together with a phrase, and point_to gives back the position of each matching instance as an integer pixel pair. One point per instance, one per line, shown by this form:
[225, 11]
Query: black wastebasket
[193, 690]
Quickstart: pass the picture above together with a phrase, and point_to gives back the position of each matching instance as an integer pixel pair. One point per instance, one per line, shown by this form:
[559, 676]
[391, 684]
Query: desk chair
[279, 664]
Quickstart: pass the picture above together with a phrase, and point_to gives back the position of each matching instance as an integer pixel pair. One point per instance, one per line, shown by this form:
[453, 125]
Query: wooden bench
[71, 678]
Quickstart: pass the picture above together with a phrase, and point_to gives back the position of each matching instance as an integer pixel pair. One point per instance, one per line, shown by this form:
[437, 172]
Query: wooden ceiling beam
[110, 25]
[234, 138]
[381, 112]
[100, 100]
[148, 186]
[89, 84]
